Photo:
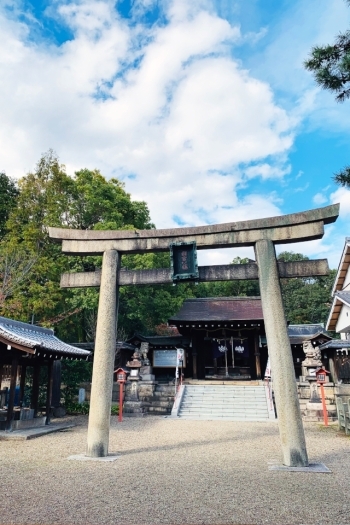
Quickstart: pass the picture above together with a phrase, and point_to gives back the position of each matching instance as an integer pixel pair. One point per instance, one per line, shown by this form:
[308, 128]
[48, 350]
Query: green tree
[8, 196]
[306, 300]
[330, 65]
[236, 288]
[50, 197]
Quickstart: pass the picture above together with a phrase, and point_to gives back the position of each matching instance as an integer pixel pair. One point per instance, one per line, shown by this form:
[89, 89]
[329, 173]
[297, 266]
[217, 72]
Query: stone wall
[313, 411]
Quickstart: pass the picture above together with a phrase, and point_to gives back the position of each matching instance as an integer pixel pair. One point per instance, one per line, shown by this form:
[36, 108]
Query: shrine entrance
[263, 235]
[226, 336]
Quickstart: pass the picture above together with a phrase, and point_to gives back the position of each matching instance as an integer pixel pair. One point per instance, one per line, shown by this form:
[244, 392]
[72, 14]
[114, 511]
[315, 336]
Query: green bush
[115, 410]
[83, 408]
[73, 374]
[77, 408]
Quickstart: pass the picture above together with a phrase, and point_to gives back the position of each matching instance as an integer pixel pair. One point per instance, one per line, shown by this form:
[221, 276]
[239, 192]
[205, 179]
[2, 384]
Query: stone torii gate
[262, 234]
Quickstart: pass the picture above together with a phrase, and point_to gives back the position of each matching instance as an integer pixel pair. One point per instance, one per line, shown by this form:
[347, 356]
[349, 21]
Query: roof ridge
[26, 326]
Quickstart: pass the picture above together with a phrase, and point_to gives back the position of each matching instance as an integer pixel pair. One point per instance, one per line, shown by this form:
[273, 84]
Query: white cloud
[342, 195]
[319, 199]
[185, 120]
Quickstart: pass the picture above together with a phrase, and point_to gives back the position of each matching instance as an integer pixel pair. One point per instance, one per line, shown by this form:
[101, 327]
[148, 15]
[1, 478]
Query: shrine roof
[335, 344]
[219, 309]
[160, 340]
[22, 335]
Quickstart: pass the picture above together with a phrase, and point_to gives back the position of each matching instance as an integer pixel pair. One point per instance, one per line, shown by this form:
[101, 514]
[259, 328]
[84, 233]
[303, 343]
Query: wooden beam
[7, 342]
[227, 272]
[284, 235]
[326, 215]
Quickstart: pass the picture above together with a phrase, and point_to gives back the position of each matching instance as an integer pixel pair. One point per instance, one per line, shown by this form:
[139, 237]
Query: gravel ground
[174, 472]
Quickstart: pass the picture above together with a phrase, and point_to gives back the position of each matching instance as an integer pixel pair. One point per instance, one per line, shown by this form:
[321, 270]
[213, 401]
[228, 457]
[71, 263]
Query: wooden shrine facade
[27, 348]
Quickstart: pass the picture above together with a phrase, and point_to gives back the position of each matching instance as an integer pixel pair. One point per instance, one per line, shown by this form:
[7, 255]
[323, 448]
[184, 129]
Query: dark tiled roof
[160, 340]
[219, 309]
[308, 330]
[343, 296]
[31, 336]
[298, 333]
[91, 345]
[335, 343]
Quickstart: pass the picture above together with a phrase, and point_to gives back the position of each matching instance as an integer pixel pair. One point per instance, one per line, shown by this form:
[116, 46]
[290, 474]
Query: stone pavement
[175, 472]
[31, 433]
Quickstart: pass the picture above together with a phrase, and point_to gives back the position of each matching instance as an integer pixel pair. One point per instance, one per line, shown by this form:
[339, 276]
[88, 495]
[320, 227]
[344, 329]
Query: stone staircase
[224, 402]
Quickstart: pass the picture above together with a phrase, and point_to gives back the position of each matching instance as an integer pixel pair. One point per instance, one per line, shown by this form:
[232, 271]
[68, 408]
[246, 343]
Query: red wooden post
[121, 379]
[325, 415]
[321, 374]
[120, 416]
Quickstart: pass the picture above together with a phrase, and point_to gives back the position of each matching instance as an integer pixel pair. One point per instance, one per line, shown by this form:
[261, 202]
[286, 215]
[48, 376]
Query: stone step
[224, 402]
[222, 412]
[225, 406]
[211, 417]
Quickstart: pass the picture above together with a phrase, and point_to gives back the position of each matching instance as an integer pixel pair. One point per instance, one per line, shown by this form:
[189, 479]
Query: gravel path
[174, 472]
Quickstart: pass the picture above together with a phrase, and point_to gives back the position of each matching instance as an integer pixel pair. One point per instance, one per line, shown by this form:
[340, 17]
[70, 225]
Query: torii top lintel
[283, 229]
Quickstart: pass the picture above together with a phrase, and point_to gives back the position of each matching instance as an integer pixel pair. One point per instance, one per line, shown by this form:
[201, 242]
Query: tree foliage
[8, 196]
[306, 300]
[31, 264]
[48, 196]
[330, 65]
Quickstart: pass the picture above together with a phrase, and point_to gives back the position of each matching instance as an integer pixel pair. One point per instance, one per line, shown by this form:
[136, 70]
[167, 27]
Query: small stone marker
[81, 397]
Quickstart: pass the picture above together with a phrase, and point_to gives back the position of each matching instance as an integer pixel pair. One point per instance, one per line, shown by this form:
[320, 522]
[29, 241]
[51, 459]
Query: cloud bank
[166, 108]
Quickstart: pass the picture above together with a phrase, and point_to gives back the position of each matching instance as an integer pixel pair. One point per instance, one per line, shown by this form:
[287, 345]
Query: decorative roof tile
[31, 336]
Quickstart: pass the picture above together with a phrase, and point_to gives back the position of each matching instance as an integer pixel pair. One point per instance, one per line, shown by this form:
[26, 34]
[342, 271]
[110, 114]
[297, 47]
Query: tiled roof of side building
[220, 309]
[344, 296]
[32, 336]
[335, 344]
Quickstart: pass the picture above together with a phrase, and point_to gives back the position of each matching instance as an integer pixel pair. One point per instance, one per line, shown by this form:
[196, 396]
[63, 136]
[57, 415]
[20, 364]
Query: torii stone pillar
[102, 376]
[284, 383]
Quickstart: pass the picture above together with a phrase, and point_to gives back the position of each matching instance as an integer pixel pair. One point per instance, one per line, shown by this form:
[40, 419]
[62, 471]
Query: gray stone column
[102, 375]
[283, 376]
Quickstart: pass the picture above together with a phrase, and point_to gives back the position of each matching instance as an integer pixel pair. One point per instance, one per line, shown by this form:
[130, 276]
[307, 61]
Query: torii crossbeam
[262, 234]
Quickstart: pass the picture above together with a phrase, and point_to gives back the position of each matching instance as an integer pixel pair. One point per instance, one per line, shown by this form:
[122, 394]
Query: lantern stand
[121, 379]
[321, 374]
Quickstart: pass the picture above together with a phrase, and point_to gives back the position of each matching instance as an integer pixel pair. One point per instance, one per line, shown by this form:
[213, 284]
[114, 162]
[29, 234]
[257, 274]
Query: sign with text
[184, 264]
[166, 358]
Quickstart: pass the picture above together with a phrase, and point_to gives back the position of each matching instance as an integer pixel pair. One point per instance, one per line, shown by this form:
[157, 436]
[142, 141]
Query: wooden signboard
[165, 359]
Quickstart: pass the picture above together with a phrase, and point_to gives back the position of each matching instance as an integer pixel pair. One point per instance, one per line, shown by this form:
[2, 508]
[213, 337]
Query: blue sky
[202, 108]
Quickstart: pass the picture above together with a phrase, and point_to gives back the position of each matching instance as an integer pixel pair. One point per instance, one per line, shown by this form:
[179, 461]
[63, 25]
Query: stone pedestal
[133, 405]
[311, 408]
[146, 373]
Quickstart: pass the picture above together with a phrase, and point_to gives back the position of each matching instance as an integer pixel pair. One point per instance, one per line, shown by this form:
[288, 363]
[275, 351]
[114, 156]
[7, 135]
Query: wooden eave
[343, 268]
[334, 314]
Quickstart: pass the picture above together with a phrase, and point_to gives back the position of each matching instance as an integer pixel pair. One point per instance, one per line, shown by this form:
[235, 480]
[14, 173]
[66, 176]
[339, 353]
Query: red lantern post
[121, 379]
[321, 375]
